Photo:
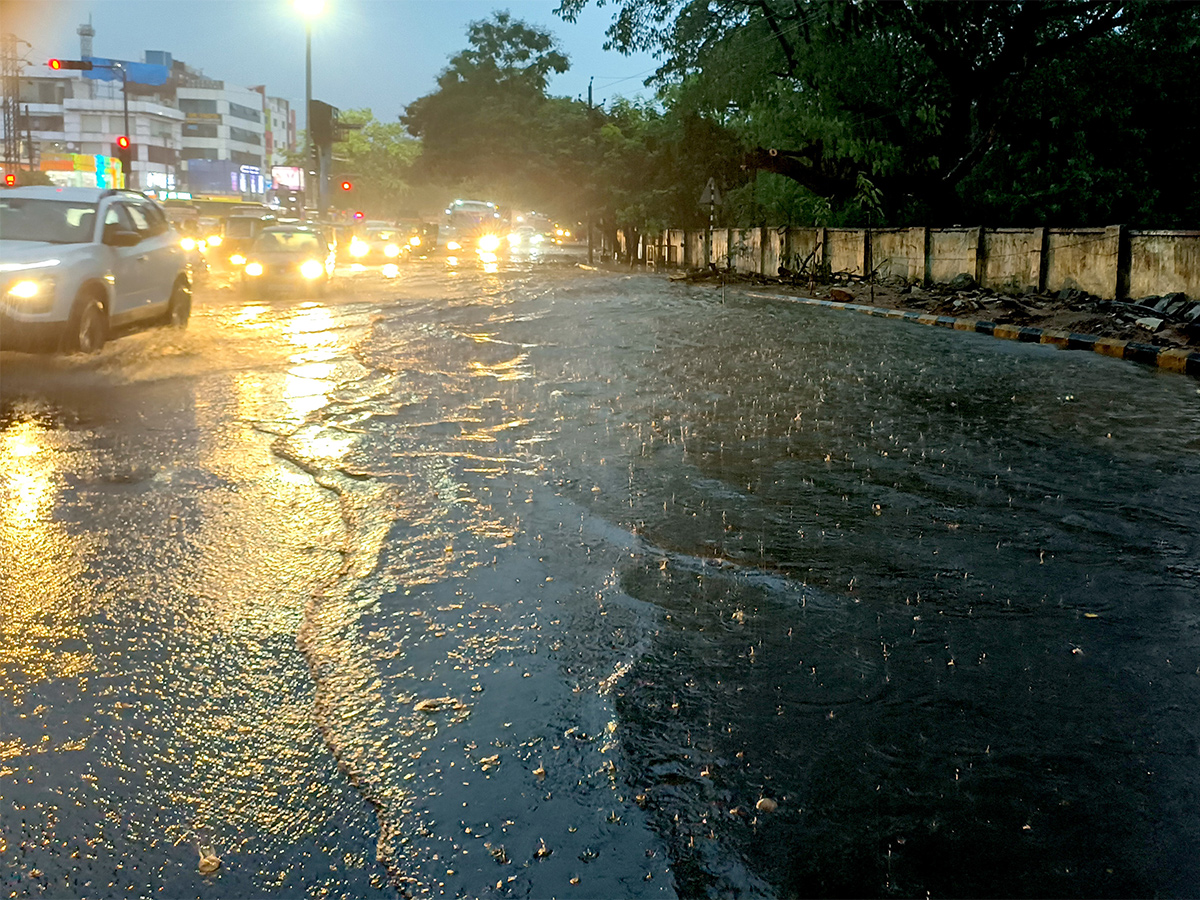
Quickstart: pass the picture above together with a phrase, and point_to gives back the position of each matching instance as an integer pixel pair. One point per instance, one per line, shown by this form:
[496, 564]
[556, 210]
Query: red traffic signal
[358, 215]
[123, 142]
[10, 180]
[346, 185]
[82, 64]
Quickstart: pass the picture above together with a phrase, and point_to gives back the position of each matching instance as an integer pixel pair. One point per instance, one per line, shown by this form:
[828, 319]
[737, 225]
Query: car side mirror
[115, 236]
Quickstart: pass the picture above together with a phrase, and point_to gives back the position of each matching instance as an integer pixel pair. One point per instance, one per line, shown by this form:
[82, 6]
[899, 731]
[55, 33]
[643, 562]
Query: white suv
[77, 264]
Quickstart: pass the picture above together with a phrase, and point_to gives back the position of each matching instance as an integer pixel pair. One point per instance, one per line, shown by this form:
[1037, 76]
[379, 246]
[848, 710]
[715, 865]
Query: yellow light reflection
[40, 603]
[248, 317]
[311, 327]
[305, 395]
[510, 370]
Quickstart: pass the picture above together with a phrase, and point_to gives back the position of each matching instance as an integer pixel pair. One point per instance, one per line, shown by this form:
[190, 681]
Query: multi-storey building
[73, 123]
[279, 131]
[191, 133]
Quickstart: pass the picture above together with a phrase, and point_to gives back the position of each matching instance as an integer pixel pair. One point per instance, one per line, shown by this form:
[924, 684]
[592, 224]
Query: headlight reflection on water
[41, 605]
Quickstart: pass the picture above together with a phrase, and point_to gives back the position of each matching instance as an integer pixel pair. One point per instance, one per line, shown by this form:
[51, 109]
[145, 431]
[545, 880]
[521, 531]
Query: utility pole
[10, 75]
[589, 199]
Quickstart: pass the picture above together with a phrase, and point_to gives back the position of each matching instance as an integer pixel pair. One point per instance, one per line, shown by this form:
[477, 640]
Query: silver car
[79, 264]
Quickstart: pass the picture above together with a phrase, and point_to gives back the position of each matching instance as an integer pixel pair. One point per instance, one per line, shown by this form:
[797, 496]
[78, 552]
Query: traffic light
[123, 151]
[358, 215]
[347, 185]
[83, 64]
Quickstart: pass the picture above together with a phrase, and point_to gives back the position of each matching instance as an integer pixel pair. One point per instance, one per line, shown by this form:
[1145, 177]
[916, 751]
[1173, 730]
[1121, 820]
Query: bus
[473, 225]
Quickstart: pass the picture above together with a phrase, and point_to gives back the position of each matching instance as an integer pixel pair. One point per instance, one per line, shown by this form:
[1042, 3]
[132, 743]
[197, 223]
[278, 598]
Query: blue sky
[380, 54]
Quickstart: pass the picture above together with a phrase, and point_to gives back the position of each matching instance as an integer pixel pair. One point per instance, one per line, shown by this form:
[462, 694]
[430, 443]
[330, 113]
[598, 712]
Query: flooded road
[542, 581]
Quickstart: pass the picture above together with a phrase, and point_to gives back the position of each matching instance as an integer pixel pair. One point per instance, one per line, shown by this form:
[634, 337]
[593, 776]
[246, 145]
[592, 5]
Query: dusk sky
[380, 54]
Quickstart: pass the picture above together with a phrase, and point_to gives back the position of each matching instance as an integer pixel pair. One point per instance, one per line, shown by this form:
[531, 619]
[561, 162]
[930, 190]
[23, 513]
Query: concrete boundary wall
[1111, 263]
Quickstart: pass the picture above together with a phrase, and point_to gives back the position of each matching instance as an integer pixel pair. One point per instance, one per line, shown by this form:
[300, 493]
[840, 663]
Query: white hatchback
[79, 264]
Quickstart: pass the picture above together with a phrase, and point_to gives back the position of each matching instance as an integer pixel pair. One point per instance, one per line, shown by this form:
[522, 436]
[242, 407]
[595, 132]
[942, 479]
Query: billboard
[291, 177]
[222, 176]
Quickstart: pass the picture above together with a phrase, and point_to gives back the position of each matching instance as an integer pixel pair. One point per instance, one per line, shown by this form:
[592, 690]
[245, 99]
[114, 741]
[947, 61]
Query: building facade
[72, 124]
[191, 133]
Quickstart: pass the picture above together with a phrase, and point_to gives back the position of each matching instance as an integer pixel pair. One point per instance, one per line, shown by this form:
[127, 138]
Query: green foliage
[1079, 110]
[381, 156]
[490, 125]
[839, 113]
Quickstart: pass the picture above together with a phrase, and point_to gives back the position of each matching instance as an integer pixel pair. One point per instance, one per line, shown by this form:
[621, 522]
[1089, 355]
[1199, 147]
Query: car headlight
[391, 251]
[489, 243]
[391, 270]
[414, 241]
[453, 245]
[254, 269]
[358, 248]
[31, 295]
[311, 269]
[213, 240]
[188, 243]
[538, 238]
[237, 259]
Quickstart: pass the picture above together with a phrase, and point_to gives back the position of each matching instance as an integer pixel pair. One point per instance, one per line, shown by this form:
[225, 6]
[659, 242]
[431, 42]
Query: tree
[928, 101]
[381, 156]
[490, 121]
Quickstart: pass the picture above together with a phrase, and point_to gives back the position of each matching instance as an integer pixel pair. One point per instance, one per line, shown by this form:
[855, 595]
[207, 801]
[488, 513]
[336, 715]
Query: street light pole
[310, 180]
[309, 10]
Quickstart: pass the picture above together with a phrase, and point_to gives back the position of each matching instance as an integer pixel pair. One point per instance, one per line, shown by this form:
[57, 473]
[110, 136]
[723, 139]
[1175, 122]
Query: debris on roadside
[1172, 320]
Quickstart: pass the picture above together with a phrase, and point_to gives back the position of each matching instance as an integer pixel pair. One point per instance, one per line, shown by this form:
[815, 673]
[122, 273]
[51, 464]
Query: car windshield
[381, 235]
[288, 242]
[52, 221]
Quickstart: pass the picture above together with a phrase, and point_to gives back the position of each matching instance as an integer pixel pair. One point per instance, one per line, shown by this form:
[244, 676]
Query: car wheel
[87, 329]
[179, 307]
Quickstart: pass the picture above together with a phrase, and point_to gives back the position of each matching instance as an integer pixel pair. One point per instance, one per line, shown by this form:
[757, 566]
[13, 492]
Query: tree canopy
[829, 111]
[1052, 109]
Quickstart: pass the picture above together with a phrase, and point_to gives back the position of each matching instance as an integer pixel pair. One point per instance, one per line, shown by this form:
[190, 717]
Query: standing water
[644, 591]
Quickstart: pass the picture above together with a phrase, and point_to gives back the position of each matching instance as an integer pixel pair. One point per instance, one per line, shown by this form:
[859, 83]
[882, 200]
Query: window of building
[42, 90]
[45, 123]
[200, 129]
[246, 137]
[198, 153]
[92, 124]
[164, 155]
[245, 159]
[245, 112]
[192, 105]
